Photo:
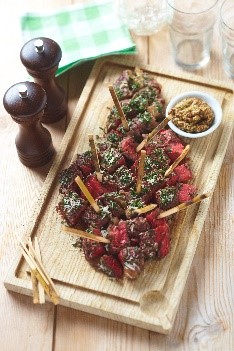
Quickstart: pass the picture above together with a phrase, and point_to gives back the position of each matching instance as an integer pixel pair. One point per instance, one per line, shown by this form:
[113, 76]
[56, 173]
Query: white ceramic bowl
[210, 100]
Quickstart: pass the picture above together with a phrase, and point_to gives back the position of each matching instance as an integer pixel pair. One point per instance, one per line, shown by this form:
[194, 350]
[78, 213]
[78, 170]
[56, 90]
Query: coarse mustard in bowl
[194, 114]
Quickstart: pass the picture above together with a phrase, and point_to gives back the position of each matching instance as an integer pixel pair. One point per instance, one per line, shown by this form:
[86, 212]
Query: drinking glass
[191, 25]
[144, 17]
[227, 35]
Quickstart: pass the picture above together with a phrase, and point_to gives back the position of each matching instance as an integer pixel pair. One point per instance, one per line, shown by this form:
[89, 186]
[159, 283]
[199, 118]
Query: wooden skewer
[183, 206]
[34, 269]
[95, 157]
[87, 194]
[139, 74]
[31, 257]
[40, 288]
[42, 269]
[153, 133]
[35, 288]
[140, 173]
[145, 209]
[119, 108]
[38, 291]
[177, 161]
[86, 235]
[129, 212]
[52, 289]
[39, 271]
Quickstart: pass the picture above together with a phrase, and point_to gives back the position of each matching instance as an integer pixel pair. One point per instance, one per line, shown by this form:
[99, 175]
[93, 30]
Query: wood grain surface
[152, 300]
[205, 318]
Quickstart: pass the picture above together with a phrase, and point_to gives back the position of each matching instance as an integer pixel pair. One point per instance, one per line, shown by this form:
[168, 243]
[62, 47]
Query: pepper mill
[25, 102]
[41, 57]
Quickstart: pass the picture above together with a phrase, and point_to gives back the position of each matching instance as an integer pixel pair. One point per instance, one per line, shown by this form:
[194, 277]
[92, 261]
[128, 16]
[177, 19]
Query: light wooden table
[205, 319]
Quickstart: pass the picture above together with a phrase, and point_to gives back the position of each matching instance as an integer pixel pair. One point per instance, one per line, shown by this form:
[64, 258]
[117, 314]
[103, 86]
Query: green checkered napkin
[85, 31]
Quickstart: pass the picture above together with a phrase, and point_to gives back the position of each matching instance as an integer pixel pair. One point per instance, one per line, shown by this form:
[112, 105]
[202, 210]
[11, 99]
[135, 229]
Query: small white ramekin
[209, 99]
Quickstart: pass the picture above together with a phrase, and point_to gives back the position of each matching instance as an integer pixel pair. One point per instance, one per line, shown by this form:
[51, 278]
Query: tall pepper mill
[41, 57]
[25, 102]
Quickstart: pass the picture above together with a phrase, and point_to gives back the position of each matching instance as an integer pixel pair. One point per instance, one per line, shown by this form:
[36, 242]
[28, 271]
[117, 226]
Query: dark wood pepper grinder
[41, 57]
[25, 102]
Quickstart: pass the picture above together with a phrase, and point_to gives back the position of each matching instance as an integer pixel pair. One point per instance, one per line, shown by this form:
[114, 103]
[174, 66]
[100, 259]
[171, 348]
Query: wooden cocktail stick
[87, 194]
[39, 271]
[30, 255]
[95, 157]
[119, 108]
[129, 212]
[177, 161]
[183, 206]
[40, 267]
[153, 133]
[35, 286]
[40, 288]
[86, 235]
[145, 209]
[140, 173]
[51, 294]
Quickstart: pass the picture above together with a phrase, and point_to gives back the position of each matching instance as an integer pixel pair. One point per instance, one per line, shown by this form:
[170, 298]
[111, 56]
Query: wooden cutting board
[152, 300]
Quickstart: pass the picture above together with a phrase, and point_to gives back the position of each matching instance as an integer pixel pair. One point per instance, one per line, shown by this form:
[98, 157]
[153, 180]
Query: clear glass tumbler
[227, 35]
[144, 17]
[191, 28]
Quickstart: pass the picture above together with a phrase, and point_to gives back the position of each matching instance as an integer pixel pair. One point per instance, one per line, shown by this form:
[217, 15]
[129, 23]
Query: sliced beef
[167, 197]
[95, 187]
[124, 178]
[118, 236]
[128, 147]
[111, 159]
[186, 192]
[94, 219]
[71, 207]
[85, 163]
[184, 173]
[111, 266]
[174, 150]
[148, 244]
[67, 177]
[136, 226]
[132, 260]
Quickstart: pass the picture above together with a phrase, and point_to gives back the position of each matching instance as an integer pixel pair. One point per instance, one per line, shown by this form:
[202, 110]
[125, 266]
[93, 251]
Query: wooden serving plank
[152, 300]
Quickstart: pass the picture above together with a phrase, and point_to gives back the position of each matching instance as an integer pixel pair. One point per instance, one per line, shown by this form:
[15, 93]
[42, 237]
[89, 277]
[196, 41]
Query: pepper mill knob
[39, 45]
[41, 57]
[23, 91]
[25, 102]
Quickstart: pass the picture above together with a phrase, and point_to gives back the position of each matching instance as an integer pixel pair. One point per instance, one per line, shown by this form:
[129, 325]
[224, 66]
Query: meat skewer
[177, 161]
[153, 133]
[95, 157]
[118, 106]
[86, 235]
[145, 209]
[140, 171]
[183, 206]
[87, 194]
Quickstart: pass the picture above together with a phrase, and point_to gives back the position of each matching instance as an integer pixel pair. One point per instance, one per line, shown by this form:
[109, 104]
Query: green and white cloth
[84, 31]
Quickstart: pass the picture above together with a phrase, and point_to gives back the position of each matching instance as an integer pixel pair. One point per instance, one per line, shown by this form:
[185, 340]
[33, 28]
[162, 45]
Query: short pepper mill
[41, 57]
[25, 102]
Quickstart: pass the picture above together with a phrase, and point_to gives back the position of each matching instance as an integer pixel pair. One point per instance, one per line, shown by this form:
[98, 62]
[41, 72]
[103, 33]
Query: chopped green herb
[167, 195]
